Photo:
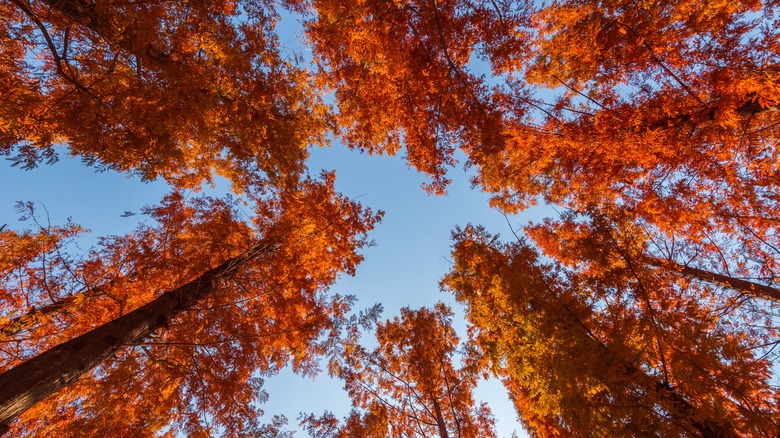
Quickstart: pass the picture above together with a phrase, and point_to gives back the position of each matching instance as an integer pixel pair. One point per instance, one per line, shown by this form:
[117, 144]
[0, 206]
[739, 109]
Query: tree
[182, 351]
[185, 92]
[593, 355]
[412, 57]
[176, 90]
[408, 385]
[666, 112]
[667, 109]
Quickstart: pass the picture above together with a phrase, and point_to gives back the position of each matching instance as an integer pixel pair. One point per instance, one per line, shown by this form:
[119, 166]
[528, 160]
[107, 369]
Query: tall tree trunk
[30, 382]
[440, 419]
[751, 288]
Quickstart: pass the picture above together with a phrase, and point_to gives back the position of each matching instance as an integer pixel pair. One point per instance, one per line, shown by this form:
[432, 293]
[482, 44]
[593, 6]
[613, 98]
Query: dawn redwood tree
[605, 356]
[189, 237]
[179, 346]
[668, 109]
[186, 92]
[40, 278]
[409, 384]
[411, 57]
[162, 89]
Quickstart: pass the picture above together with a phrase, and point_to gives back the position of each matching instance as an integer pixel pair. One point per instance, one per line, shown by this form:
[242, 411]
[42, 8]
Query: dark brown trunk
[440, 419]
[755, 289]
[30, 382]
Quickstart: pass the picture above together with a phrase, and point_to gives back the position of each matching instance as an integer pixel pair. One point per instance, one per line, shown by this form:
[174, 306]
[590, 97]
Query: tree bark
[26, 384]
[440, 419]
[755, 289]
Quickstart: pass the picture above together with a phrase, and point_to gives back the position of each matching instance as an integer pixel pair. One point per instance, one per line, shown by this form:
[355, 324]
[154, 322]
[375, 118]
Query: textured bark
[755, 289]
[30, 382]
[440, 419]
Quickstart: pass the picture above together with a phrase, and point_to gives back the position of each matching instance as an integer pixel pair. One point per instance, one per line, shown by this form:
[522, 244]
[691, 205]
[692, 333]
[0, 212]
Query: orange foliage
[170, 89]
[611, 355]
[408, 385]
[667, 108]
[654, 124]
[201, 371]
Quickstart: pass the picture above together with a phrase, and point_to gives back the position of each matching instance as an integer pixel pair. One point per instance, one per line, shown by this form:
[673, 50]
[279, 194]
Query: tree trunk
[440, 419]
[30, 382]
[755, 289]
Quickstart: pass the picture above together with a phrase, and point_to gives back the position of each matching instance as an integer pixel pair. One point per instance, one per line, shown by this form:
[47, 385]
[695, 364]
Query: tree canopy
[648, 307]
[612, 355]
[408, 385]
[175, 90]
